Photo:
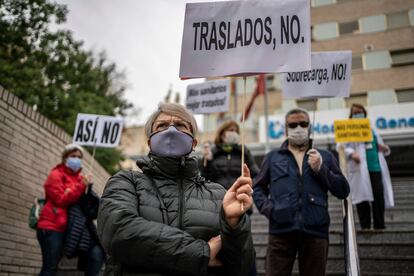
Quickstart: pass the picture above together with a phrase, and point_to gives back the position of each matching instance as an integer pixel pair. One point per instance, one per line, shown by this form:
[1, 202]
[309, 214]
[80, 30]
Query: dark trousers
[378, 206]
[51, 245]
[253, 270]
[94, 259]
[282, 250]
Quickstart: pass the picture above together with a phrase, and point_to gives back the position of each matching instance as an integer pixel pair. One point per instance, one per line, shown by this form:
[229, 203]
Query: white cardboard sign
[330, 76]
[208, 97]
[245, 37]
[97, 130]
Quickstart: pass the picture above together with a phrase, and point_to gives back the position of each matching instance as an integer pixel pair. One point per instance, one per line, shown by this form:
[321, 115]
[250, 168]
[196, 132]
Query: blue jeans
[51, 245]
[95, 259]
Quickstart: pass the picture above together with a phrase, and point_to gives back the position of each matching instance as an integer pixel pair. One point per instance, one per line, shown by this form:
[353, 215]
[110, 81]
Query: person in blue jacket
[291, 190]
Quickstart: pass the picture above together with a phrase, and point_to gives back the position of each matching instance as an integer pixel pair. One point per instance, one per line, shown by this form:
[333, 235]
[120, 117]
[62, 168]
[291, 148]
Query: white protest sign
[330, 76]
[208, 97]
[245, 37]
[97, 130]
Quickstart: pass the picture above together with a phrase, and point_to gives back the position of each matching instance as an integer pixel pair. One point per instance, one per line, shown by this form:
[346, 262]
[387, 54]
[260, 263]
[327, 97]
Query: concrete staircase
[385, 253]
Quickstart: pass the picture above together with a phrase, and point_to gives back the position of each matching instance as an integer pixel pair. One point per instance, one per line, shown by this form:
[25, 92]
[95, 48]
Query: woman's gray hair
[173, 109]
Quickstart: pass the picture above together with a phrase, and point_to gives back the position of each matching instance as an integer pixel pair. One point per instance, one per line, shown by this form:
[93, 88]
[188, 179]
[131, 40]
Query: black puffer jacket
[167, 234]
[225, 167]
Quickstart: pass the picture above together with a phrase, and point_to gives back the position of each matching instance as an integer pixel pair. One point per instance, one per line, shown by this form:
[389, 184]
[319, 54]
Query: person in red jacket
[63, 187]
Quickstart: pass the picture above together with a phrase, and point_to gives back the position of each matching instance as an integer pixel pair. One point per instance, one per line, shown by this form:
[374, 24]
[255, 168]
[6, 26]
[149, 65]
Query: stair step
[371, 249]
[397, 215]
[385, 237]
[398, 264]
[261, 272]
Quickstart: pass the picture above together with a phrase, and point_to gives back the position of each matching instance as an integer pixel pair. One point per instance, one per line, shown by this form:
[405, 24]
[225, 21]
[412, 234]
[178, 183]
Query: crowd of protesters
[182, 214]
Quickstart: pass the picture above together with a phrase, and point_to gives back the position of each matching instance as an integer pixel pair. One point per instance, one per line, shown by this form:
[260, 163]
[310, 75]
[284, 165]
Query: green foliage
[50, 70]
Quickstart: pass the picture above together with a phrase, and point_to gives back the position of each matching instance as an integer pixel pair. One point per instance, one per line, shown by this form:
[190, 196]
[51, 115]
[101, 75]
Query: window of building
[411, 16]
[317, 3]
[288, 104]
[402, 57]
[379, 97]
[309, 105]
[331, 103]
[278, 81]
[376, 60]
[348, 27]
[359, 99]
[405, 95]
[373, 23]
[250, 85]
[356, 62]
[398, 20]
[210, 123]
[325, 31]
[270, 82]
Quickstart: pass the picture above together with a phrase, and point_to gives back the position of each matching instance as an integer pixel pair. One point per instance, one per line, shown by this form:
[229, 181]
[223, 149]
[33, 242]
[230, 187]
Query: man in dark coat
[168, 220]
[291, 191]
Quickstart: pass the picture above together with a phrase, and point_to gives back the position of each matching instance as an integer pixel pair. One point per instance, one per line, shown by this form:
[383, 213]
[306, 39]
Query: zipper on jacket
[228, 170]
[301, 189]
[300, 186]
[181, 197]
[181, 203]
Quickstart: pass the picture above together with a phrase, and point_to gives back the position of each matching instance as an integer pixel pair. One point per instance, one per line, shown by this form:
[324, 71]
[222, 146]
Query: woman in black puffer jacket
[222, 164]
[168, 220]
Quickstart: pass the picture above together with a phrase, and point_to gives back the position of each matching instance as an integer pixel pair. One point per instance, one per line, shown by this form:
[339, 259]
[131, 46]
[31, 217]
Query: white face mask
[298, 136]
[231, 137]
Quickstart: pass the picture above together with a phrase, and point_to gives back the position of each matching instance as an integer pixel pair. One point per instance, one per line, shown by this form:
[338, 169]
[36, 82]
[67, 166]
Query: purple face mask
[171, 143]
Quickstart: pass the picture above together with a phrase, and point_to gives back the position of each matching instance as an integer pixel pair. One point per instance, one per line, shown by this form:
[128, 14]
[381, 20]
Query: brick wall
[30, 145]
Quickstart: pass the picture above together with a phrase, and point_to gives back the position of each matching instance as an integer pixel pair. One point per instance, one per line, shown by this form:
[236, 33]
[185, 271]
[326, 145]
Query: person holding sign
[222, 163]
[291, 191]
[64, 187]
[167, 220]
[369, 176]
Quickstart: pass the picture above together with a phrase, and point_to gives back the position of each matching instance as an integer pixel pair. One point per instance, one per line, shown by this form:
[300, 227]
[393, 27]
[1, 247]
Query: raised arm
[237, 251]
[332, 178]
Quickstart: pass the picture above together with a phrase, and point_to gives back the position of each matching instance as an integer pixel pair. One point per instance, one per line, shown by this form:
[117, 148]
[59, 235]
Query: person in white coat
[368, 176]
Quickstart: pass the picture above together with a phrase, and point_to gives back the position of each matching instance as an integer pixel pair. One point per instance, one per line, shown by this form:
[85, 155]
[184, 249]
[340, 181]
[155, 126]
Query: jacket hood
[170, 167]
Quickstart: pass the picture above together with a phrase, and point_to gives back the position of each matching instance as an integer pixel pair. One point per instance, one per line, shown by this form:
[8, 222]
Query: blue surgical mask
[171, 143]
[358, 116]
[74, 163]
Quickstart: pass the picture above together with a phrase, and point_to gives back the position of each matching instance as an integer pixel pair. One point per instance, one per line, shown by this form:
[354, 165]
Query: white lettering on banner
[330, 76]
[208, 97]
[385, 119]
[97, 130]
[245, 37]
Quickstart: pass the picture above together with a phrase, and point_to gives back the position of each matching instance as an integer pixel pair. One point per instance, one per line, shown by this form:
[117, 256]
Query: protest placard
[97, 130]
[245, 37]
[329, 76]
[352, 130]
[208, 97]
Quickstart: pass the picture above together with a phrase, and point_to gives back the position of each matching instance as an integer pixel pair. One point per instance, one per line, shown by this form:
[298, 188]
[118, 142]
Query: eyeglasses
[296, 124]
[180, 125]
